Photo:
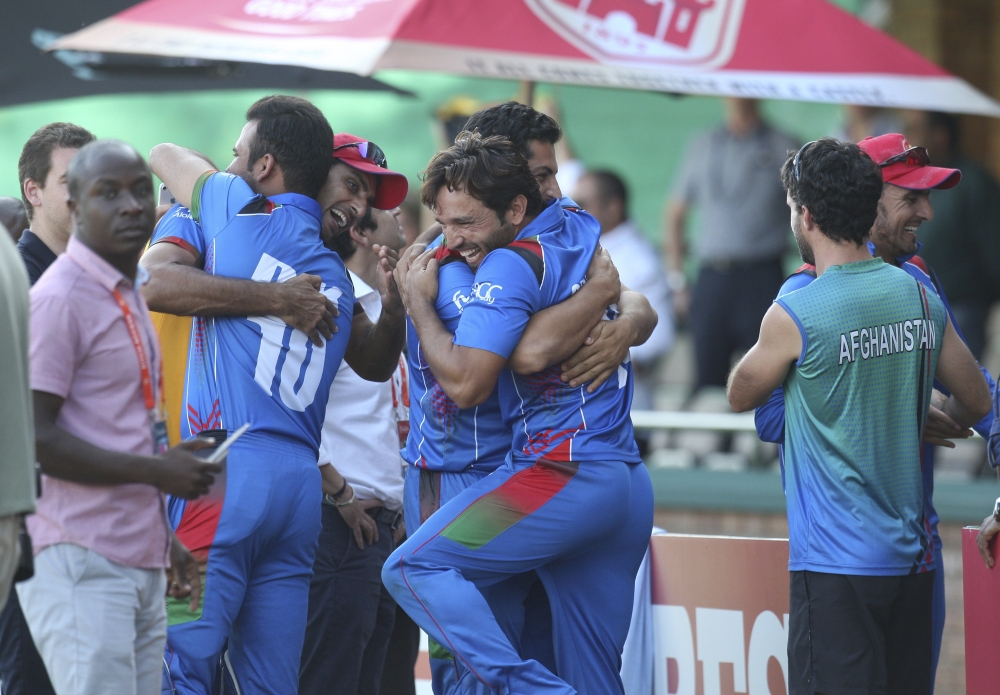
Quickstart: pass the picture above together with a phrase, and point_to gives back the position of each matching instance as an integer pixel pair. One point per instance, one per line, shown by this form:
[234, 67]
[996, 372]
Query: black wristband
[340, 492]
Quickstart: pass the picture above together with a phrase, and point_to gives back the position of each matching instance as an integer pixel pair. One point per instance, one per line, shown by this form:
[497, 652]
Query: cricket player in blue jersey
[858, 351]
[260, 221]
[908, 179]
[176, 260]
[572, 502]
[448, 448]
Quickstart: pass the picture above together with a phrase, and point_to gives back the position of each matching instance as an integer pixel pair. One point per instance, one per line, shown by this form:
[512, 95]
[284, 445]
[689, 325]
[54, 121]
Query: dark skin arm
[177, 286]
[374, 348]
[67, 457]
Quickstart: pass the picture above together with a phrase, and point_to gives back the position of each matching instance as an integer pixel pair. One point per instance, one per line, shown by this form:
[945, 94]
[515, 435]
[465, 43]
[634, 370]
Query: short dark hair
[35, 161]
[489, 169]
[343, 245]
[516, 122]
[948, 121]
[609, 186]
[79, 169]
[840, 185]
[300, 138]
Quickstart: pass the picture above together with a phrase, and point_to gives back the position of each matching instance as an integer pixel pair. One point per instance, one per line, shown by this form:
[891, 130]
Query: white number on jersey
[302, 369]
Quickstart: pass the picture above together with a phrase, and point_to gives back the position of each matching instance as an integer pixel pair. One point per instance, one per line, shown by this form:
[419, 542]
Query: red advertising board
[981, 588]
[720, 615]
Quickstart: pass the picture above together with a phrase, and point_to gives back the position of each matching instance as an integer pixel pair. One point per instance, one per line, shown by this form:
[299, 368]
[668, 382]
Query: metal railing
[674, 420]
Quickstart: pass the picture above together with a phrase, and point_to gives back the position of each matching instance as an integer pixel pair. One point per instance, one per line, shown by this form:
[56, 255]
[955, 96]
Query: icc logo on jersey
[647, 33]
[483, 291]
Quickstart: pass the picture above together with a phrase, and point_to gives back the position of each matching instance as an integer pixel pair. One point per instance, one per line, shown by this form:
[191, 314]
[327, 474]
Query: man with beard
[178, 259]
[857, 351]
[571, 501]
[450, 448]
[258, 222]
[908, 179]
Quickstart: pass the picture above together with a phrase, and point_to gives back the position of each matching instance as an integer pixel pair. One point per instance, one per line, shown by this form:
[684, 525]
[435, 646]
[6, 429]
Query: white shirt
[361, 431]
[640, 270]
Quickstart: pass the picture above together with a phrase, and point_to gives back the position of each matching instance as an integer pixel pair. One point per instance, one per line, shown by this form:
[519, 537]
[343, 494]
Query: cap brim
[392, 186]
[926, 178]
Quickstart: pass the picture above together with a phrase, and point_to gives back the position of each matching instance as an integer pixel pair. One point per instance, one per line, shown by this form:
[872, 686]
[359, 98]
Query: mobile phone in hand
[166, 197]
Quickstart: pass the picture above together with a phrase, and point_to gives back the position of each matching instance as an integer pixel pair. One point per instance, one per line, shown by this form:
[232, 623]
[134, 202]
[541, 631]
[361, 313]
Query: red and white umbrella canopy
[804, 50]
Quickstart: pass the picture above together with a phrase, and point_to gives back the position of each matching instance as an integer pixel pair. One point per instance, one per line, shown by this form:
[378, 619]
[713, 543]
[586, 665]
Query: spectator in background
[603, 194]
[962, 242]
[729, 175]
[17, 457]
[351, 613]
[862, 121]
[41, 172]
[408, 216]
[95, 605]
[13, 217]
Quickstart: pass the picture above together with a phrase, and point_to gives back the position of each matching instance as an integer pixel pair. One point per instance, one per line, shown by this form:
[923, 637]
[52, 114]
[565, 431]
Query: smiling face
[544, 168]
[900, 213]
[473, 229]
[345, 197]
[113, 207]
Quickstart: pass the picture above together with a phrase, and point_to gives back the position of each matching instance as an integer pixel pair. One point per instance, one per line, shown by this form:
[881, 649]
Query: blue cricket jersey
[545, 265]
[257, 369]
[444, 437]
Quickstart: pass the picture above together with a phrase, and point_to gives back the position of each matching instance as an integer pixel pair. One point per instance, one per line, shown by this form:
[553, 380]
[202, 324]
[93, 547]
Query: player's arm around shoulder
[467, 374]
[958, 371]
[766, 365]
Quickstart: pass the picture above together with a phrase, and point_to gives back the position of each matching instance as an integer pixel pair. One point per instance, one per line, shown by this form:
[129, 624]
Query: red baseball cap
[366, 156]
[906, 166]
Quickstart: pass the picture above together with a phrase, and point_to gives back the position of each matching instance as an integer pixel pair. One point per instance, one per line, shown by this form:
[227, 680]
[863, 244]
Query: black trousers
[21, 669]
[860, 635]
[727, 305]
[350, 613]
[401, 658]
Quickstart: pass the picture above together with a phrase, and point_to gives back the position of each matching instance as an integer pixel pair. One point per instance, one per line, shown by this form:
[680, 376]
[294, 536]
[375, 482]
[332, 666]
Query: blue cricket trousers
[584, 528]
[256, 589]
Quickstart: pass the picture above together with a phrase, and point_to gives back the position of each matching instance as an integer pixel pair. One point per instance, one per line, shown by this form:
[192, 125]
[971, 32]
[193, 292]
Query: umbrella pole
[527, 92]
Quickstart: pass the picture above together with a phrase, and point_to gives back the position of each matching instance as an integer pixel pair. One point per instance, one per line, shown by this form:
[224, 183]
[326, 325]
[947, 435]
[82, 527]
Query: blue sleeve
[769, 419]
[985, 426]
[217, 199]
[795, 282]
[178, 227]
[504, 297]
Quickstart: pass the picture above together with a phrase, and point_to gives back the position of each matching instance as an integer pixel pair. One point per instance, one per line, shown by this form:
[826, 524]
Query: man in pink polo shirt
[95, 606]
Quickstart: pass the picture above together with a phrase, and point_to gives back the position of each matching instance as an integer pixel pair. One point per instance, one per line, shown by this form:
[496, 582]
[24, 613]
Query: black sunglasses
[797, 162]
[917, 156]
[368, 150]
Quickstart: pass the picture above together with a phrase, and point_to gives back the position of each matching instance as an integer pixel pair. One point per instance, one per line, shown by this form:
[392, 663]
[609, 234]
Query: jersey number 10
[287, 353]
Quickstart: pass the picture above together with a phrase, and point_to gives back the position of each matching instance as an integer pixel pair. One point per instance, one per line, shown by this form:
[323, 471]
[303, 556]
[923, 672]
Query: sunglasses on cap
[797, 162]
[368, 150]
[917, 156]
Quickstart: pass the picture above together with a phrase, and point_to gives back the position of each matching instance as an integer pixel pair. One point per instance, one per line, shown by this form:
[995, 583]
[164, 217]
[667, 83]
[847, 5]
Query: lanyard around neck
[140, 352]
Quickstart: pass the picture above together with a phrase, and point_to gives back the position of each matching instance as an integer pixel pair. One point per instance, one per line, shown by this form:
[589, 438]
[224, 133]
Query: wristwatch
[996, 509]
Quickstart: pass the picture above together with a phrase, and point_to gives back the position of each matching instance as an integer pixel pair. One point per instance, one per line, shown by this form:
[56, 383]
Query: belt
[389, 517]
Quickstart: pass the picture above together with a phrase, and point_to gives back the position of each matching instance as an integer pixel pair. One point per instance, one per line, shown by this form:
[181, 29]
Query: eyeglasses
[368, 150]
[797, 162]
[917, 156]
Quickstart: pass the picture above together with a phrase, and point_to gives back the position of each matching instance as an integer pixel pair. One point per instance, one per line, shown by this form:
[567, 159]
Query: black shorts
[860, 635]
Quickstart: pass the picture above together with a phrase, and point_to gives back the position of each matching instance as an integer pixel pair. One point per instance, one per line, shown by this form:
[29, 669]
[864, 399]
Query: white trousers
[10, 550]
[99, 627]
